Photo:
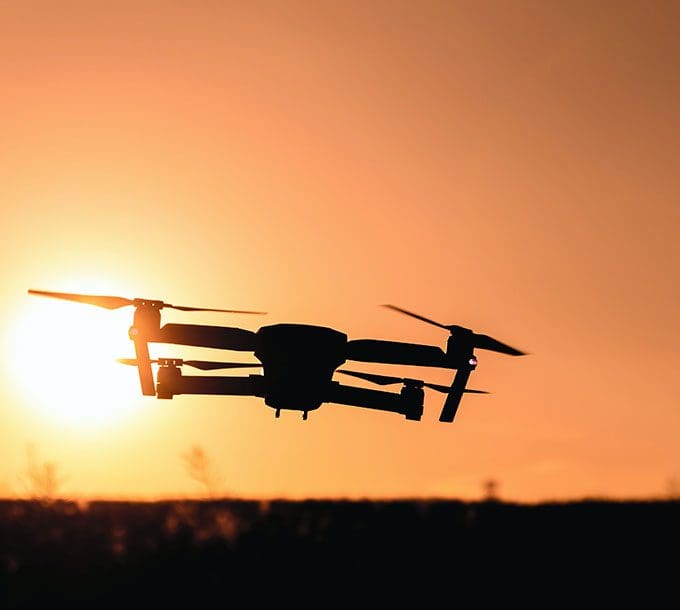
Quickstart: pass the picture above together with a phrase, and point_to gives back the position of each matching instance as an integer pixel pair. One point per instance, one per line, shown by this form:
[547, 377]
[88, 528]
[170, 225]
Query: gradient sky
[508, 166]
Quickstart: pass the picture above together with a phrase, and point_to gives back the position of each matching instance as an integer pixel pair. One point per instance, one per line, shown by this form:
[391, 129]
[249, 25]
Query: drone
[290, 379]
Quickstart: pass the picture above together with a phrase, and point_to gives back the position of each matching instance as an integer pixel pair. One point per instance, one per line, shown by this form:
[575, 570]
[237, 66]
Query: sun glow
[62, 357]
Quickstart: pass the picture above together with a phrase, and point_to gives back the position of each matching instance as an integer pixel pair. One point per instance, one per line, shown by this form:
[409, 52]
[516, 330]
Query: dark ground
[114, 553]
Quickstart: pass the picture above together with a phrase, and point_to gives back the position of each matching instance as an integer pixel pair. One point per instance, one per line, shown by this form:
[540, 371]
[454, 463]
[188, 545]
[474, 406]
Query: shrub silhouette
[42, 479]
[201, 469]
[673, 488]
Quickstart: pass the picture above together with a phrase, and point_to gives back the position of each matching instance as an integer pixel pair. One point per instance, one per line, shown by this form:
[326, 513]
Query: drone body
[298, 361]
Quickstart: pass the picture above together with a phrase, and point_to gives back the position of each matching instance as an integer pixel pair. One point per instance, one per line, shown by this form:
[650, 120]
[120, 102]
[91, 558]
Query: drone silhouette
[282, 349]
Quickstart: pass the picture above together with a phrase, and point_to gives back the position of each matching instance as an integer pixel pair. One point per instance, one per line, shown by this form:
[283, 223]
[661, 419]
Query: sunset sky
[509, 166]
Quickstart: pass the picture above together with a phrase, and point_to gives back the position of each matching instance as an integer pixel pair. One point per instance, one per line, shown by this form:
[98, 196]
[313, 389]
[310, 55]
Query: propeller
[204, 365]
[479, 340]
[388, 380]
[112, 302]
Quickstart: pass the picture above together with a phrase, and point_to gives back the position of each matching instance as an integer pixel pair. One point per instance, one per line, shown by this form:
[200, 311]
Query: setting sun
[62, 358]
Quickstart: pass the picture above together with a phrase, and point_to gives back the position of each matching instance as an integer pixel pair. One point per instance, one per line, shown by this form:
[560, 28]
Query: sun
[62, 358]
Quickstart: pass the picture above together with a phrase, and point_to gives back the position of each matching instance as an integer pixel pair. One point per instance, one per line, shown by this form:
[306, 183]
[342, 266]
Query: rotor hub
[170, 361]
[148, 303]
[146, 320]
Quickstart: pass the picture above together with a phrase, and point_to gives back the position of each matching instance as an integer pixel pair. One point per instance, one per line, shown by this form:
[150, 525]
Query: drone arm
[225, 386]
[144, 367]
[219, 337]
[395, 352]
[455, 395]
[366, 398]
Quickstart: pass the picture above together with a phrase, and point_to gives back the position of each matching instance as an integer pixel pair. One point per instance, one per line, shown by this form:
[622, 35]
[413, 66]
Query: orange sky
[508, 166]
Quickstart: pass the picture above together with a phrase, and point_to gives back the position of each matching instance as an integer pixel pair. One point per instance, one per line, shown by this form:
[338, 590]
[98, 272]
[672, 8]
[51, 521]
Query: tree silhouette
[42, 479]
[490, 490]
[673, 488]
[201, 469]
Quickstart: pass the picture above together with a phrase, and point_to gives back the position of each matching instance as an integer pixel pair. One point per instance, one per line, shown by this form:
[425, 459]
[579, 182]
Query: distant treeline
[112, 553]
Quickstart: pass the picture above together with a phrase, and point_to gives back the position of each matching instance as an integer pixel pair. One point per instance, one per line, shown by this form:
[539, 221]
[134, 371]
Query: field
[110, 553]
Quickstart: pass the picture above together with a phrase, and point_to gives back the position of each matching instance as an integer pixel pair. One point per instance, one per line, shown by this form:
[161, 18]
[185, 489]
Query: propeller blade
[111, 302]
[486, 342]
[416, 316]
[379, 379]
[480, 341]
[203, 365]
[129, 361]
[444, 389]
[387, 380]
[184, 308]
[108, 302]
